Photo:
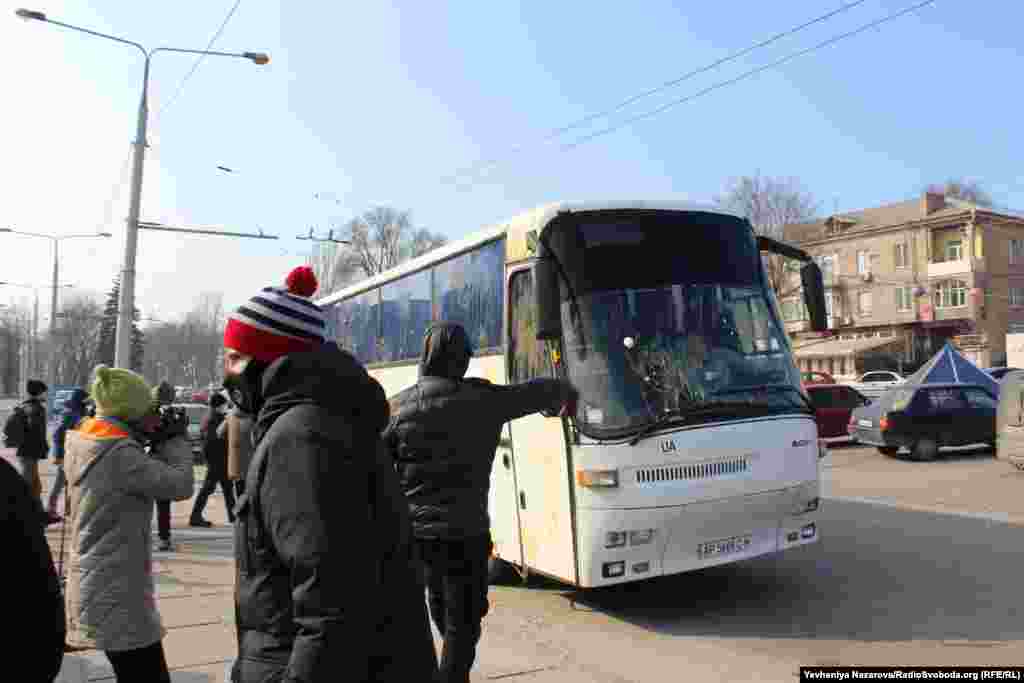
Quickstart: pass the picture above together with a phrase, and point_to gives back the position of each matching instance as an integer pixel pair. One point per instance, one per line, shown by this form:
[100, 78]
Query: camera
[173, 422]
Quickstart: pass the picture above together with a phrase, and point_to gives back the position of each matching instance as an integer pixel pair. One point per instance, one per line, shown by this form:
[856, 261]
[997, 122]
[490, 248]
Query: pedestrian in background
[443, 435]
[216, 456]
[163, 396]
[33, 445]
[73, 413]
[36, 635]
[111, 597]
[326, 588]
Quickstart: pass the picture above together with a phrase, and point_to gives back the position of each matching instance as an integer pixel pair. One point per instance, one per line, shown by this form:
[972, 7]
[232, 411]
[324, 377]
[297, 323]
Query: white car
[875, 383]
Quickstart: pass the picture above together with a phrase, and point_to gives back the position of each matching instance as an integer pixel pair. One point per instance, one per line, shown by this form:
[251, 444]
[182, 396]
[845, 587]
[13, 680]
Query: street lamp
[56, 239]
[126, 303]
[33, 359]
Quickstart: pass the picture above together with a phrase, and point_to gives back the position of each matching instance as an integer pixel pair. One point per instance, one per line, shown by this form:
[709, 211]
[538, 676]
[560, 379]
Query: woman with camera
[111, 601]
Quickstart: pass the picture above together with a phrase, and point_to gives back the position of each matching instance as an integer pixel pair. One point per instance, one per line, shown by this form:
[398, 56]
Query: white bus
[694, 443]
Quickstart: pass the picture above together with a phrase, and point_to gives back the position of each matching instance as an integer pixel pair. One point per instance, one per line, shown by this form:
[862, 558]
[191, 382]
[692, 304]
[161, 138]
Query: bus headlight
[641, 537]
[806, 505]
[615, 539]
[597, 478]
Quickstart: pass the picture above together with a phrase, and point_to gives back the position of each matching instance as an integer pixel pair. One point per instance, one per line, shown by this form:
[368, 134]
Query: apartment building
[904, 278]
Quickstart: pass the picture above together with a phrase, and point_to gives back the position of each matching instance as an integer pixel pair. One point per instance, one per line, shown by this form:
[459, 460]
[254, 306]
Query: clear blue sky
[378, 102]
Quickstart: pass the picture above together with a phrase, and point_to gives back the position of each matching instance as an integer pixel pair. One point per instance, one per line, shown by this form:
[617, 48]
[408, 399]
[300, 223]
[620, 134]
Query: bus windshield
[678, 325]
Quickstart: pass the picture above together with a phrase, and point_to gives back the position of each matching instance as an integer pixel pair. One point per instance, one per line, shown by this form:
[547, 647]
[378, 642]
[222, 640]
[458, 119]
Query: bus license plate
[725, 546]
[864, 423]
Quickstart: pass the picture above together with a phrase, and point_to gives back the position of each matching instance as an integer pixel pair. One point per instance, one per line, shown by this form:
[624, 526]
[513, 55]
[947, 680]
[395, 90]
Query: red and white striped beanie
[278, 321]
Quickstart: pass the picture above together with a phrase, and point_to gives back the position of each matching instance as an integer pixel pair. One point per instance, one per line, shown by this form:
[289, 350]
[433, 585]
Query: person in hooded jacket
[73, 410]
[326, 585]
[111, 596]
[443, 435]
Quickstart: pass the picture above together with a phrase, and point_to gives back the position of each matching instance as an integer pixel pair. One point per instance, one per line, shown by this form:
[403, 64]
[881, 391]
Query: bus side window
[526, 358]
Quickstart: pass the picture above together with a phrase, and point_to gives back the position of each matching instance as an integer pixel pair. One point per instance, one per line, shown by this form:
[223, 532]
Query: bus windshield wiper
[662, 419]
[702, 409]
[772, 387]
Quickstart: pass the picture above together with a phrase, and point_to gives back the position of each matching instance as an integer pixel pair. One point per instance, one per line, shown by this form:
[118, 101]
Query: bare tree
[187, 352]
[13, 342]
[960, 188]
[380, 239]
[76, 340]
[770, 204]
[326, 261]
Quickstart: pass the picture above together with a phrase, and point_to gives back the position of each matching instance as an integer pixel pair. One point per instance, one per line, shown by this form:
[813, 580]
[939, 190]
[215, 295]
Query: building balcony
[941, 269]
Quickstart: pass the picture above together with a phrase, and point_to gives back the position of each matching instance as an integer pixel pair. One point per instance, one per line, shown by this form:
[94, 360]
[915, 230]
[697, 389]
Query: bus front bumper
[693, 536]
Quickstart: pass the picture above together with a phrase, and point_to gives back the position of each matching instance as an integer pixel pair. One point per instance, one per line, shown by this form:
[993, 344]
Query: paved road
[880, 577]
[885, 585]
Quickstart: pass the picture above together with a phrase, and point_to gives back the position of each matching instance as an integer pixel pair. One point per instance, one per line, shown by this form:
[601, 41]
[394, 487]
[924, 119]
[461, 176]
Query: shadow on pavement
[878, 574]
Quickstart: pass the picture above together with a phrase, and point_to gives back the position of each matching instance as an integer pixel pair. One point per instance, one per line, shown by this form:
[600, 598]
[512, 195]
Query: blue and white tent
[948, 365]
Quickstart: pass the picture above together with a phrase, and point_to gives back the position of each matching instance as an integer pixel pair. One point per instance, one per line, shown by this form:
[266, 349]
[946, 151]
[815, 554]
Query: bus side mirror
[547, 294]
[814, 295]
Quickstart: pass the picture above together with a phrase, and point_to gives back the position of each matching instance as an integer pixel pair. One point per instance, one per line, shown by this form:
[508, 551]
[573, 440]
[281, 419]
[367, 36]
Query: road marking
[1001, 517]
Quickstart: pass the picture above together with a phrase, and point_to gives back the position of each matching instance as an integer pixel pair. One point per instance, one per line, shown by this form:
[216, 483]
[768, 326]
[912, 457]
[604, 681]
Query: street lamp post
[126, 300]
[56, 240]
[33, 360]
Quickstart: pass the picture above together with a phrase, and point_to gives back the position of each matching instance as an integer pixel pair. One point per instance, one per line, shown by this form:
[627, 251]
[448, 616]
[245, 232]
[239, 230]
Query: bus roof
[515, 230]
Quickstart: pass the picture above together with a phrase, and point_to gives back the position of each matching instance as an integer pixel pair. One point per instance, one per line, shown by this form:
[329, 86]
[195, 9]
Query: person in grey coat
[110, 599]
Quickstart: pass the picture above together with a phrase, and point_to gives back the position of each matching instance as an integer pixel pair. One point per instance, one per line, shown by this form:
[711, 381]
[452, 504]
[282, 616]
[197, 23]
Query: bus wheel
[498, 571]
[889, 450]
[925, 450]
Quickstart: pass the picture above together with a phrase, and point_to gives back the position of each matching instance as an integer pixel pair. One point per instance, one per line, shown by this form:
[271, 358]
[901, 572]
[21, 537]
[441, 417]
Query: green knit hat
[120, 393]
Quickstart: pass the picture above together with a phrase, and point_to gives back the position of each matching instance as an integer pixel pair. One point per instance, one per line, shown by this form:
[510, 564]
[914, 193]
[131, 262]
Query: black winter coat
[215, 448]
[39, 636]
[326, 589]
[34, 445]
[444, 432]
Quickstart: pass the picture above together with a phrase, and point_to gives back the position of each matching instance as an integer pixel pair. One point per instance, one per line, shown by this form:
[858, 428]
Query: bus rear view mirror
[814, 295]
[546, 292]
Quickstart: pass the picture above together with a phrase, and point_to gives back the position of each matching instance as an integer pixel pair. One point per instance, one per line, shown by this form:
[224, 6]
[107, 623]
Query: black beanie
[34, 387]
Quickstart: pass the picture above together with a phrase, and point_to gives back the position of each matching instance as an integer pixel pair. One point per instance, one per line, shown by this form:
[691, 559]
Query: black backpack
[15, 428]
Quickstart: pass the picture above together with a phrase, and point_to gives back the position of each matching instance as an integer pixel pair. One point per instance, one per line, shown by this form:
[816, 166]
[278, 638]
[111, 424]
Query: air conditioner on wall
[866, 277]
[847, 320]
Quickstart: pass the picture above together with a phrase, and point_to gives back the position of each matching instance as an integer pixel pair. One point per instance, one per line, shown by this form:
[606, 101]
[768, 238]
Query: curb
[999, 517]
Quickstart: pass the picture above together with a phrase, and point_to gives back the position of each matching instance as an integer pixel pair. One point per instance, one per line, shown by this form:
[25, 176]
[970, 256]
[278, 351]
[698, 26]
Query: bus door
[541, 460]
[503, 504]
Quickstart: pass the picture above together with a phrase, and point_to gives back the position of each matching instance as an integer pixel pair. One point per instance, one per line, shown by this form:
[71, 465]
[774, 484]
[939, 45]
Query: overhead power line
[199, 59]
[558, 132]
[753, 72]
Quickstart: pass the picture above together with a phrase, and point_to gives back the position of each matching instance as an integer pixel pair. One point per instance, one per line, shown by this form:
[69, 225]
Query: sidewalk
[966, 481]
[195, 597]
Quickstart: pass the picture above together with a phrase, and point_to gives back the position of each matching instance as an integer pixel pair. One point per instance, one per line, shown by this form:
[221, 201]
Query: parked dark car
[833, 405]
[926, 417]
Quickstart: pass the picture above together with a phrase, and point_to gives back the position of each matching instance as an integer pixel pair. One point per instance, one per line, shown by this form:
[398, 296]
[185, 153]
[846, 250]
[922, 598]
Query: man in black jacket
[39, 636]
[326, 589]
[34, 446]
[215, 452]
[443, 435]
